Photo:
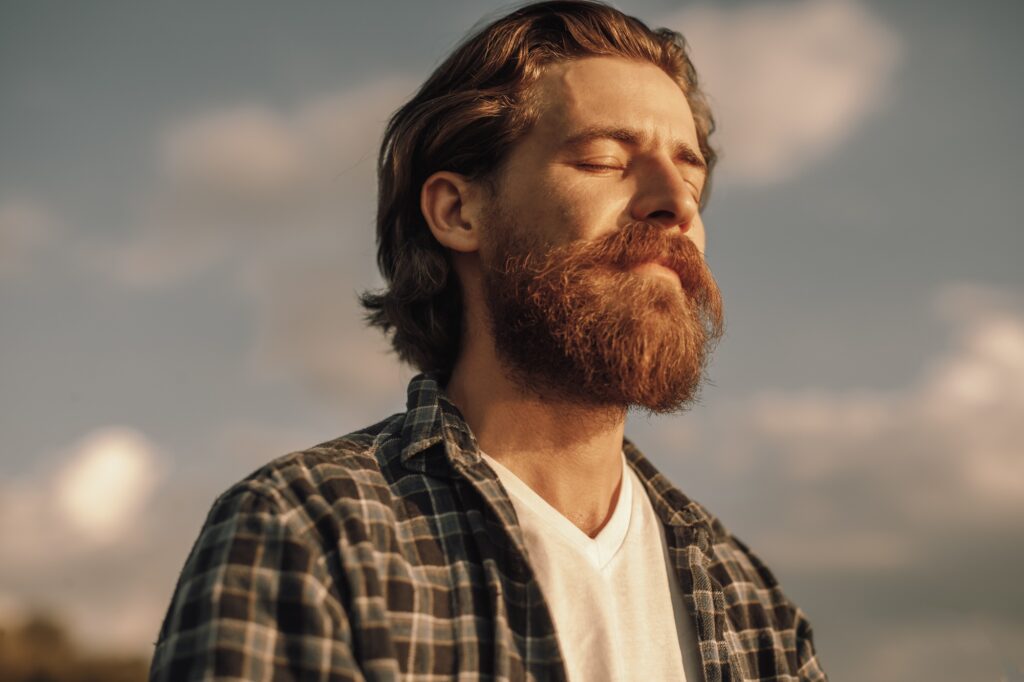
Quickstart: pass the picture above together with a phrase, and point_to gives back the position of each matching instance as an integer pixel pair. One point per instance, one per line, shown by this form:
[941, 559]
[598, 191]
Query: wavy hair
[465, 119]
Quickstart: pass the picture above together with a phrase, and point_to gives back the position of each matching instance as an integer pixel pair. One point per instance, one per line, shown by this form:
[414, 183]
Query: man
[539, 230]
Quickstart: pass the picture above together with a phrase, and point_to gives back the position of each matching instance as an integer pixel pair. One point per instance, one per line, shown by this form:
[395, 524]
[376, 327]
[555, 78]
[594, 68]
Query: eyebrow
[633, 137]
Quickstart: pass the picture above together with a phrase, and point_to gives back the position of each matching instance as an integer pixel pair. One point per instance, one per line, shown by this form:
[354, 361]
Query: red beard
[573, 323]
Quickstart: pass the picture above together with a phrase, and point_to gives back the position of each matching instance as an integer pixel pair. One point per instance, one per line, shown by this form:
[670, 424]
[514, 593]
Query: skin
[568, 453]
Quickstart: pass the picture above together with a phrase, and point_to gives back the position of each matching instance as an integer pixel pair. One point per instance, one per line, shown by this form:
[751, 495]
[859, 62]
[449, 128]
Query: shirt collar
[431, 419]
[671, 505]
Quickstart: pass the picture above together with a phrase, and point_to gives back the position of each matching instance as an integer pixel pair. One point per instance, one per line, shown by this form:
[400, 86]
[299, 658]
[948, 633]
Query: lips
[665, 263]
[658, 267]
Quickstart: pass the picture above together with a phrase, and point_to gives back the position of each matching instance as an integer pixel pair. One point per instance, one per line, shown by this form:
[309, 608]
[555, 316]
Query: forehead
[612, 91]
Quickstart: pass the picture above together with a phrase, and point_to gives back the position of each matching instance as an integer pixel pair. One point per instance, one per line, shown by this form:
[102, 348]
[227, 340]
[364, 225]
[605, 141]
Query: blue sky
[186, 203]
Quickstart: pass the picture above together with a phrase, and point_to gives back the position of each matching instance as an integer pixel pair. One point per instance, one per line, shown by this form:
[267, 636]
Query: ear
[450, 205]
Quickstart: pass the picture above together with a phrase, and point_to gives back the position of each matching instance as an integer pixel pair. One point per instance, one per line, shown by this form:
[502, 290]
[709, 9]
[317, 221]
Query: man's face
[607, 182]
[569, 181]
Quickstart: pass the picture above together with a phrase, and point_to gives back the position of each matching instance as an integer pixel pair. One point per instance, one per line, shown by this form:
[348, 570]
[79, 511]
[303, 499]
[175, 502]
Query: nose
[663, 197]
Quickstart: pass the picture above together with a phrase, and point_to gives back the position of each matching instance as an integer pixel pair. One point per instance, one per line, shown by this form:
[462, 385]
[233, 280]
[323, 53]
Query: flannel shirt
[394, 553]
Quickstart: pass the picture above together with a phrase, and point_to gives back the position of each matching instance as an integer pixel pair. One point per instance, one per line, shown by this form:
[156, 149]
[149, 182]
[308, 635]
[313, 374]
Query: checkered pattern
[394, 553]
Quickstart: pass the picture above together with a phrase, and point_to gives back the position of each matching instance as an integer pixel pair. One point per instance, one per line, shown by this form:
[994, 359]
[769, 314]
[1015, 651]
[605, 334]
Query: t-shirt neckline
[600, 549]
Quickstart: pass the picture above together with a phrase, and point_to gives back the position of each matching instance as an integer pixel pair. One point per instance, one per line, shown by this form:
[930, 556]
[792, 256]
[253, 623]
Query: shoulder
[321, 490]
[746, 579]
[754, 597]
[276, 554]
[733, 561]
[771, 631]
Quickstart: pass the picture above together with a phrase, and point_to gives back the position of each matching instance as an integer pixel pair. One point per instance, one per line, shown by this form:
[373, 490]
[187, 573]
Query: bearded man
[539, 230]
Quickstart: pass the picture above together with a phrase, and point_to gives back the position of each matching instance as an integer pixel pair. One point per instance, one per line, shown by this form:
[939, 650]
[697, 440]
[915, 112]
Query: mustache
[641, 242]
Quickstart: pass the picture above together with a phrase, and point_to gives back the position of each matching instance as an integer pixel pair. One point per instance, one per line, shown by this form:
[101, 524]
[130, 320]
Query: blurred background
[186, 217]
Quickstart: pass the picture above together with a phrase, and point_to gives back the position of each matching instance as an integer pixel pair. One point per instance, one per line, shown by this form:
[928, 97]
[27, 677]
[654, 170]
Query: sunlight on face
[614, 142]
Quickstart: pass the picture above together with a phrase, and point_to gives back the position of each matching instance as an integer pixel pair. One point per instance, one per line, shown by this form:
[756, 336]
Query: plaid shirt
[394, 553]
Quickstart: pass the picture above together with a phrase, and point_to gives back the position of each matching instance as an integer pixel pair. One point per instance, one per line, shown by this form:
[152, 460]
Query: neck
[568, 452]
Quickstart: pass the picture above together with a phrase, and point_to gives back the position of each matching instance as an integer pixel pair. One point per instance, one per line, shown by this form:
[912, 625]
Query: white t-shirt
[615, 601]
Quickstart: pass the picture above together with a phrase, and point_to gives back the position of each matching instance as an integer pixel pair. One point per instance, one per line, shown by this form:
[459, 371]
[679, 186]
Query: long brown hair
[465, 119]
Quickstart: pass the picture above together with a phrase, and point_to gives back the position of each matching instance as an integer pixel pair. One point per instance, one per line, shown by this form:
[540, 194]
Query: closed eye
[599, 166]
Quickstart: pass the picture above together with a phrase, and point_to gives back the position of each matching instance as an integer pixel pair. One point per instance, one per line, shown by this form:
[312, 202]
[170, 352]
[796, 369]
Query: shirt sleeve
[252, 603]
[810, 666]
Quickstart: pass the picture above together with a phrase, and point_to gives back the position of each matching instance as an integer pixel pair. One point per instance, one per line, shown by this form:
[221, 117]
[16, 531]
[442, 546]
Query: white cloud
[109, 567]
[105, 482]
[960, 422]
[79, 534]
[283, 201]
[245, 154]
[26, 228]
[251, 185]
[894, 517]
[789, 80]
[87, 496]
[309, 327]
[872, 478]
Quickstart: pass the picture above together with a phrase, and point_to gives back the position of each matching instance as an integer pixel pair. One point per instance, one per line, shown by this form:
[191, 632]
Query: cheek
[562, 206]
[591, 215]
[545, 206]
[562, 215]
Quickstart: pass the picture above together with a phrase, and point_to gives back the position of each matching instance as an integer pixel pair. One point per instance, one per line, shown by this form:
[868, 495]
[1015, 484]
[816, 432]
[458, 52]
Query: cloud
[283, 203]
[85, 497]
[250, 184]
[789, 81]
[98, 532]
[105, 482]
[247, 154]
[82, 534]
[309, 328]
[26, 228]
[954, 434]
[899, 512]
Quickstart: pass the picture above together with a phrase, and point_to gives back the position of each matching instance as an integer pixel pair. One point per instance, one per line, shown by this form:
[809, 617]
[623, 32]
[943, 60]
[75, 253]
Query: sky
[186, 217]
